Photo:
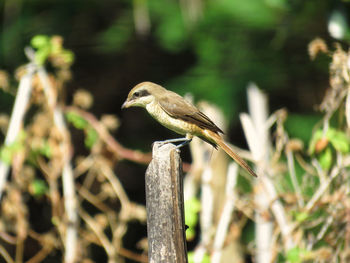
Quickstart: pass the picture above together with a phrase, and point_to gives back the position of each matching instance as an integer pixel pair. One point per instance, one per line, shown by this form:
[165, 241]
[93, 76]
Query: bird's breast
[174, 124]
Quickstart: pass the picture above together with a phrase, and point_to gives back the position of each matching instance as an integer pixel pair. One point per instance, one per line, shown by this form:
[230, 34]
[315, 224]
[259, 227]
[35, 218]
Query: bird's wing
[177, 107]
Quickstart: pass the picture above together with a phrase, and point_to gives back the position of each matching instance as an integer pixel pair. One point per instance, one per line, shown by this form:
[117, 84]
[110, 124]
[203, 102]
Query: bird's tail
[219, 141]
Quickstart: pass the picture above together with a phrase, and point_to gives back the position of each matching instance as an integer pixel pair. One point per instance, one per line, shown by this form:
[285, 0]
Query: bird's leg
[185, 140]
[175, 140]
[184, 143]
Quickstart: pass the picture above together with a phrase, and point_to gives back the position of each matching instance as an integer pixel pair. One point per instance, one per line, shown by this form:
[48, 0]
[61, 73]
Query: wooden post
[165, 206]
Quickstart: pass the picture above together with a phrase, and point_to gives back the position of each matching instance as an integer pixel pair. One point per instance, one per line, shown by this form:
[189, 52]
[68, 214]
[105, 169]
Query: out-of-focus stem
[291, 168]
[95, 227]
[70, 201]
[227, 212]
[335, 171]
[256, 130]
[206, 218]
[141, 17]
[6, 255]
[17, 116]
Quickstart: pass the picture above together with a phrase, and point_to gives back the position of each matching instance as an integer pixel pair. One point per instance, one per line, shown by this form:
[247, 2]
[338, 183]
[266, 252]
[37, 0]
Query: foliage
[41, 156]
[191, 259]
[91, 135]
[8, 151]
[220, 46]
[224, 63]
[230, 42]
[192, 207]
[49, 48]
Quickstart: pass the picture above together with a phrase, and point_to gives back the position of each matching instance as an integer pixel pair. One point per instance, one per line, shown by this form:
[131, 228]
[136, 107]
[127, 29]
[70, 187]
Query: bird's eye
[140, 93]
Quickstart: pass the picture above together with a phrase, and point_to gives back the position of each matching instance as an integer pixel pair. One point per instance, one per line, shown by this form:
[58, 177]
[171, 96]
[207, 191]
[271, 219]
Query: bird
[179, 115]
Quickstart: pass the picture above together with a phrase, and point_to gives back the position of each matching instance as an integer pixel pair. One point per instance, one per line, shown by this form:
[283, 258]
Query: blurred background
[210, 49]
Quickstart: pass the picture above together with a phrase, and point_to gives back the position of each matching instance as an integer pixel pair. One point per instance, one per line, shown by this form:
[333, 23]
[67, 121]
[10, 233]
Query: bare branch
[17, 118]
[226, 214]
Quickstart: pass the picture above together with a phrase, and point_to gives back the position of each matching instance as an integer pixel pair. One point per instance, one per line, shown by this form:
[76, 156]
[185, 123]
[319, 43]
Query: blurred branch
[42, 254]
[8, 238]
[256, 132]
[96, 228]
[226, 214]
[17, 118]
[46, 241]
[207, 201]
[93, 199]
[116, 185]
[6, 255]
[117, 149]
[192, 11]
[133, 256]
[70, 201]
[141, 17]
[21, 223]
[347, 107]
[291, 168]
[321, 190]
[210, 177]
[322, 232]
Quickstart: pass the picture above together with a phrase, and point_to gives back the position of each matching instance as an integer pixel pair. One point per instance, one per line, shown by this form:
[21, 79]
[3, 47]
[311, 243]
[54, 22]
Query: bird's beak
[126, 104]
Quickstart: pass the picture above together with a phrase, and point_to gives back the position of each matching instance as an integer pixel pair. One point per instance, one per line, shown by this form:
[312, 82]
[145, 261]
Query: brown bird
[179, 115]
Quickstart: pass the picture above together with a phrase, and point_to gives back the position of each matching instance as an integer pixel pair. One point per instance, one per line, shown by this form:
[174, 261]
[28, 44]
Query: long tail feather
[217, 138]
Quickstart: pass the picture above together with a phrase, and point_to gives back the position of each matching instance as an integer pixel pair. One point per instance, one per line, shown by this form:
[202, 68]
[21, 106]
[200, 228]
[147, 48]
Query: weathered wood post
[165, 206]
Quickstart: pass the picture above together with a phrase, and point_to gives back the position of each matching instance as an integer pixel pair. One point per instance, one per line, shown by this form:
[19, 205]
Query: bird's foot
[184, 141]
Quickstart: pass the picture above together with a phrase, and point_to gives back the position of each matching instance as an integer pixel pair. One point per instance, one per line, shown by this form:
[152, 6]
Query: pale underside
[177, 125]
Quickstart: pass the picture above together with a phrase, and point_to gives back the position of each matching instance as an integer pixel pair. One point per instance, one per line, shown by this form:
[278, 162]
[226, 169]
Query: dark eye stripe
[141, 93]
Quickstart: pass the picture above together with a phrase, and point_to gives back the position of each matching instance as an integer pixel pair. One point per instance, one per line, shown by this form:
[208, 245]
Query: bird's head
[142, 94]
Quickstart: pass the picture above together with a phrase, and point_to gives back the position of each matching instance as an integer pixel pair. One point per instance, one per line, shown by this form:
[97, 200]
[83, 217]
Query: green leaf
[192, 207]
[339, 140]
[46, 149]
[7, 151]
[38, 187]
[40, 41]
[55, 221]
[46, 48]
[296, 255]
[43, 45]
[91, 137]
[68, 56]
[301, 216]
[42, 54]
[205, 259]
[6, 154]
[190, 233]
[325, 158]
[77, 121]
